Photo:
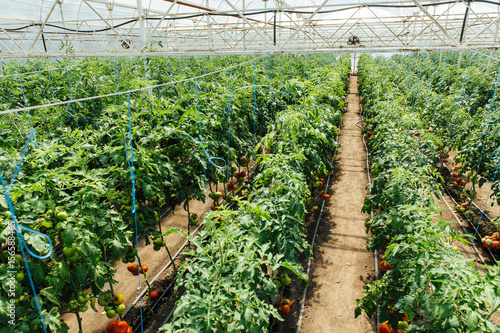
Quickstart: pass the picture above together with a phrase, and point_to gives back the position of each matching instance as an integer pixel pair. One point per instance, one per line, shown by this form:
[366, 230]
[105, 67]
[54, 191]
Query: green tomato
[83, 308]
[120, 308]
[83, 297]
[402, 325]
[110, 313]
[286, 279]
[69, 251]
[18, 257]
[74, 258]
[101, 301]
[20, 277]
[73, 304]
[62, 216]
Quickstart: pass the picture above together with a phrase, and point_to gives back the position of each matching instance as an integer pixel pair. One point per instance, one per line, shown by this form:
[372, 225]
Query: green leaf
[473, 320]
[51, 295]
[3, 201]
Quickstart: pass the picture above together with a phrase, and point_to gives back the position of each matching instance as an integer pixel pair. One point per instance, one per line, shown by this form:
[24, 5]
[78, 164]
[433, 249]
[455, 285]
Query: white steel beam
[43, 25]
[443, 30]
[303, 24]
[108, 24]
[482, 31]
[264, 38]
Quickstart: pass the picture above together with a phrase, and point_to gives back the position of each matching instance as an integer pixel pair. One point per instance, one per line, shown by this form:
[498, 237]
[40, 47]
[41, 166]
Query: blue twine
[130, 163]
[493, 156]
[117, 79]
[17, 227]
[29, 115]
[51, 86]
[71, 92]
[200, 142]
[229, 109]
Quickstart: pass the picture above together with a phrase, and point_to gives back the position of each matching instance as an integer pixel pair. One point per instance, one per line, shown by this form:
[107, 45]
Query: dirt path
[342, 266]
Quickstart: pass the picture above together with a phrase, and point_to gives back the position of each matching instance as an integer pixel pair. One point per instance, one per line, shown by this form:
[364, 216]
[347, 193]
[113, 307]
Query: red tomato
[383, 328]
[154, 295]
[121, 327]
[145, 268]
[111, 326]
[385, 265]
[495, 244]
[285, 309]
[132, 267]
[277, 302]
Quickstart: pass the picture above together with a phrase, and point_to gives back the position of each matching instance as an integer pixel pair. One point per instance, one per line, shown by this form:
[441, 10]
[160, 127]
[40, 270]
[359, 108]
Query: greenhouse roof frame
[204, 27]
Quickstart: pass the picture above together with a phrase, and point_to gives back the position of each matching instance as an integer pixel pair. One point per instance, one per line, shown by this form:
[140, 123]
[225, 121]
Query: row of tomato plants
[75, 185]
[428, 283]
[459, 104]
[245, 257]
[38, 82]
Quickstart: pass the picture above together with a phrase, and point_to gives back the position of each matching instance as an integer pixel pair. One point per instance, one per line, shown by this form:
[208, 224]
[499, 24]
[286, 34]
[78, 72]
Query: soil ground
[342, 266]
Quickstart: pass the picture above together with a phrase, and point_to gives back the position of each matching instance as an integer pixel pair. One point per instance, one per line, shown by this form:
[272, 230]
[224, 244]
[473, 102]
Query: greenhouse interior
[277, 166]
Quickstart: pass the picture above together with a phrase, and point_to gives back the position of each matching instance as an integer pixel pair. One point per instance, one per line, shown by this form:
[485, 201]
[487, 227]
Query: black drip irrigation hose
[470, 223]
[461, 225]
[184, 17]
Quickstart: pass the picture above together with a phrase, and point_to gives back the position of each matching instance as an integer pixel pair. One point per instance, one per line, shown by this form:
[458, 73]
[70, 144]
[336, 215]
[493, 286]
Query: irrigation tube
[463, 227]
[301, 313]
[368, 172]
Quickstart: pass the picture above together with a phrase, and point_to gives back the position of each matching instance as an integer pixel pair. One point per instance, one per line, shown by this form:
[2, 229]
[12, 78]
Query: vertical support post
[274, 28]
[141, 22]
[244, 29]
[209, 36]
[354, 64]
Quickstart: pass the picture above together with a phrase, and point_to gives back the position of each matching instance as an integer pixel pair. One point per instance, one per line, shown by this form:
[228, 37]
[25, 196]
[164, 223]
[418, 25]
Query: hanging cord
[255, 109]
[18, 227]
[29, 115]
[459, 100]
[71, 95]
[52, 86]
[493, 155]
[210, 159]
[117, 79]
[438, 88]
[229, 111]
[130, 163]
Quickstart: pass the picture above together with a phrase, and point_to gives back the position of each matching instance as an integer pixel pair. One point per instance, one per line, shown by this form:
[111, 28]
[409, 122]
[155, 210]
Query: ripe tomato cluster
[283, 305]
[491, 241]
[134, 269]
